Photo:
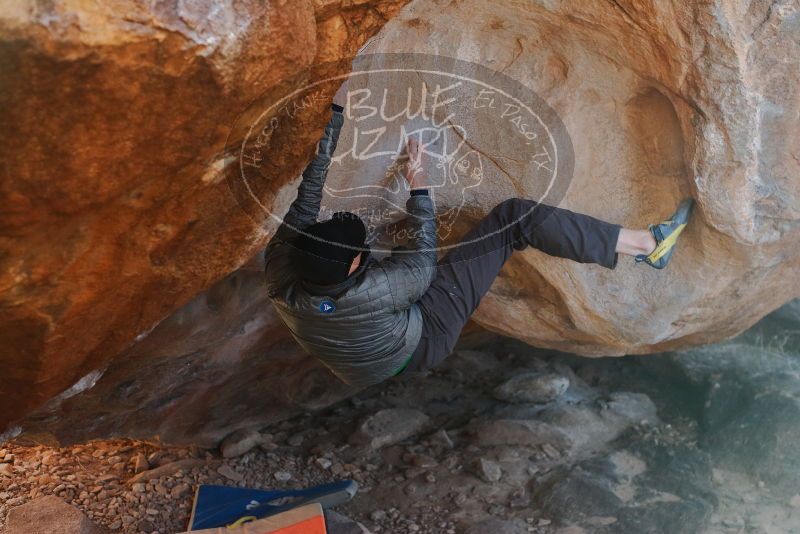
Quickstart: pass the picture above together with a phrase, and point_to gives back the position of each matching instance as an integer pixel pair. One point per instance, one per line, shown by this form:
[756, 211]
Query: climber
[368, 320]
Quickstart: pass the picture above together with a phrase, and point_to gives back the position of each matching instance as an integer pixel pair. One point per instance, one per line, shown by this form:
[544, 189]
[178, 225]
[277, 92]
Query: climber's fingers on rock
[414, 155]
[414, 158]
[413, 146]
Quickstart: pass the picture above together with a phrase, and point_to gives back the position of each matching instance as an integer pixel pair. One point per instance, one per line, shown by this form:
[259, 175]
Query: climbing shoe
[666, 234]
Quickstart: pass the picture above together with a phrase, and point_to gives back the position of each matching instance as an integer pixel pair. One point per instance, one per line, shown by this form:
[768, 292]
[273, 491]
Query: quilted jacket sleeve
[412, 270]
[304, 210]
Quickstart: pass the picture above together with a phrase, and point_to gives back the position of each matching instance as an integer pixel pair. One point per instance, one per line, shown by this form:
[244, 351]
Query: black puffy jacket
[366, 328]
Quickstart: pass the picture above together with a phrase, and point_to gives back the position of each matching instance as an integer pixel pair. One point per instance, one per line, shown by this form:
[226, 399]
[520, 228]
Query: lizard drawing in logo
[463, 173]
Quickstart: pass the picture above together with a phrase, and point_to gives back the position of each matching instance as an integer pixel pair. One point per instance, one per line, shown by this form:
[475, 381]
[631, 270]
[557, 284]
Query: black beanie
[324, 251]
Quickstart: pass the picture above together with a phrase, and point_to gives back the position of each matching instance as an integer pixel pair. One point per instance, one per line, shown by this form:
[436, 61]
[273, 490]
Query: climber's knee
[512, 209]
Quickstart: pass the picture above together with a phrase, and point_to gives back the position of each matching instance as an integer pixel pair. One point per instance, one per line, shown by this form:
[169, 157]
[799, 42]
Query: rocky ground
[502, 438]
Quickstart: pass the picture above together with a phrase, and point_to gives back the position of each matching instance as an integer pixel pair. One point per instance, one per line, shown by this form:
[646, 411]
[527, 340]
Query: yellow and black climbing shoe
[666, 235]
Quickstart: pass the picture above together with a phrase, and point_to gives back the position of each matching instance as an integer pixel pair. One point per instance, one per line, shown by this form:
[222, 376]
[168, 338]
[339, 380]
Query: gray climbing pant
[466, 273]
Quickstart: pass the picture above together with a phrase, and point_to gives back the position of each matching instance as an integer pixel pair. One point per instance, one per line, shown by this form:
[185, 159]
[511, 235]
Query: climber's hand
[415, 174]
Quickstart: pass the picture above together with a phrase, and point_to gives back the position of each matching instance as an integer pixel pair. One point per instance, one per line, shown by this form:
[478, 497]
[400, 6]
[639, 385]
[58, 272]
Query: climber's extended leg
[467, 272]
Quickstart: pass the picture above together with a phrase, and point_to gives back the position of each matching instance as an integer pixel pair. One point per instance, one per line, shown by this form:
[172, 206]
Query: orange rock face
[661, 101]
[115, 210]
[118, 225]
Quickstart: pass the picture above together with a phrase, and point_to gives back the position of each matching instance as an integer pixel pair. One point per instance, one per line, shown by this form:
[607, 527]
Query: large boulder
[118, 225]
[115, 207]
[661, 101]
